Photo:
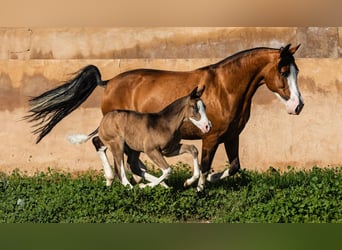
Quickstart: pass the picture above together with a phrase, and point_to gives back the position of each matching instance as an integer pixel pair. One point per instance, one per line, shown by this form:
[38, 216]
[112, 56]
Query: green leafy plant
[291, 196]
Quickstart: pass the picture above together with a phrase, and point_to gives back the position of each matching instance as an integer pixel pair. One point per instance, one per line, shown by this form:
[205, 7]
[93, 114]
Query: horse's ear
[294, 49]
[284, 50]
[197, 93]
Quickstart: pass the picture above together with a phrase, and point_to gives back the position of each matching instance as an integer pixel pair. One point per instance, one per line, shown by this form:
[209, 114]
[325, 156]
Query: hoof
[186, 184]
[200, 188]
[214, 177]
[136, 179]
[109, 182]
[163, 184]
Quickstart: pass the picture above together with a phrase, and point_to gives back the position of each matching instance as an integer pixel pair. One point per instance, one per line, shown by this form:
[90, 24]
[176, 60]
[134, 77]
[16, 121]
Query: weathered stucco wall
[35, 60]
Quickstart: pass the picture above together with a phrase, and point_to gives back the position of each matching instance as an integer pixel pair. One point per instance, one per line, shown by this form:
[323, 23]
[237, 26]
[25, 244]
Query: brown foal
[155, 134]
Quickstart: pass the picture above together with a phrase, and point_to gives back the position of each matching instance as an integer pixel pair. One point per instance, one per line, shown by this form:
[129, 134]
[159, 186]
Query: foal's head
[195, 111]
[282, 80]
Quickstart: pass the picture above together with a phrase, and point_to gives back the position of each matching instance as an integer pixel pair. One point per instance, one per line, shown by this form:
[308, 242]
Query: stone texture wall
[152, 43]
[33, 60]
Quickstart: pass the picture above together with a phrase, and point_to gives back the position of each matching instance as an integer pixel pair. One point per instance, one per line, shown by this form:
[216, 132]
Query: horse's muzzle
[299, 108]
[294, 107]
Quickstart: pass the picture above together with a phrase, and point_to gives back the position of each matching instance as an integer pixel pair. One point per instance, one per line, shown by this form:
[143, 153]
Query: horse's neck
[246, 73]
[242, 76]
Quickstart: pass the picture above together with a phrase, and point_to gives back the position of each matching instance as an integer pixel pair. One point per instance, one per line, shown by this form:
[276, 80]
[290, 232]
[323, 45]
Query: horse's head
[282, 80]
[195, 111]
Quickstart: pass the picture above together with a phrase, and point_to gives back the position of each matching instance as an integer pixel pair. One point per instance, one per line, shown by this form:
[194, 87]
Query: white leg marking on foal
[149, 177]
[195, 174]
[124, 179]
[152, 179]
[165, 175]
[201, 182]
[108, 171]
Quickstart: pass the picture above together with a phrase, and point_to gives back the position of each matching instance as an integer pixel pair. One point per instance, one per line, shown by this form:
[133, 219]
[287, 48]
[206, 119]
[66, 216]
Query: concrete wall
[35, 60]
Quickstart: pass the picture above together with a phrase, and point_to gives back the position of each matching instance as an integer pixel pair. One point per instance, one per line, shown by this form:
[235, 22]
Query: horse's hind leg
[101, 151]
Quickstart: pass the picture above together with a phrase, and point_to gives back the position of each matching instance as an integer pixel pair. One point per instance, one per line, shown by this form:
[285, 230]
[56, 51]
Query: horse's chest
[238, 122]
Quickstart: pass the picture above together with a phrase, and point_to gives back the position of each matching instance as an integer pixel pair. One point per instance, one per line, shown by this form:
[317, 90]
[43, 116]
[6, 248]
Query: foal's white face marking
[203, 123]
[295, 96]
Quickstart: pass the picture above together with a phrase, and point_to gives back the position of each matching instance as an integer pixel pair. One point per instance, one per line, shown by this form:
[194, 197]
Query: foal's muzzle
[203, 126]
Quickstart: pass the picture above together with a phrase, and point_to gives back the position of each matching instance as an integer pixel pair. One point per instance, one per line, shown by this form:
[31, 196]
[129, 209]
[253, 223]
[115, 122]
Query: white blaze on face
[295, 102]
[203, 123]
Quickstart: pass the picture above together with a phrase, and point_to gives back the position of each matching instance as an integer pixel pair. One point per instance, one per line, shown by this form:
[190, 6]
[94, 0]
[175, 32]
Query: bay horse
[155, 134]
[230, 85]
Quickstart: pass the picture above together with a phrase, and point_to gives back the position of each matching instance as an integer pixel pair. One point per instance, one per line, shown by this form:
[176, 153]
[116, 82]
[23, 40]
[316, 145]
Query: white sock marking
[108, 171]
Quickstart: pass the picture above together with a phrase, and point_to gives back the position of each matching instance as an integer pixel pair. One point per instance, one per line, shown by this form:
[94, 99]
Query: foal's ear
[197, 93]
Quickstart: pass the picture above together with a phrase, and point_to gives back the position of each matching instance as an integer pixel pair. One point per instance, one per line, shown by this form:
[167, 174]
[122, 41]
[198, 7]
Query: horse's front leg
[232, 149]
[209, 147]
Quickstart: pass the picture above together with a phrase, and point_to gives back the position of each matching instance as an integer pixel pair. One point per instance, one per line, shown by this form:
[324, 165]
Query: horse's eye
[195, 108]
[285, 73]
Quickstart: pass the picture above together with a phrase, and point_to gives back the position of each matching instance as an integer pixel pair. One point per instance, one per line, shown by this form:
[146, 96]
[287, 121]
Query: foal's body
[155, 134]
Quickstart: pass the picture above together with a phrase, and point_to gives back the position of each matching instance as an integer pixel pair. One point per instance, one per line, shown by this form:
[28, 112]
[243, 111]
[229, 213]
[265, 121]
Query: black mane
[236, 56]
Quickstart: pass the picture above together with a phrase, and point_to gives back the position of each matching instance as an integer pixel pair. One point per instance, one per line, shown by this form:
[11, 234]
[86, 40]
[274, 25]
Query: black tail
[52, 106]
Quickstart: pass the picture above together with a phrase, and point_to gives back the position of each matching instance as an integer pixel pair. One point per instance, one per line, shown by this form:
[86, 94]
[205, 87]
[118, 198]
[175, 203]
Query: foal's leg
[159, 160]
[191, 149]
[209, 147]
[138, 169]
[133, 164]
[101, 151]
[117, 147]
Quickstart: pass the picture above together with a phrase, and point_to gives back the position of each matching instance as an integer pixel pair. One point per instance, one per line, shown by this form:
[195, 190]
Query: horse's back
[148, 90]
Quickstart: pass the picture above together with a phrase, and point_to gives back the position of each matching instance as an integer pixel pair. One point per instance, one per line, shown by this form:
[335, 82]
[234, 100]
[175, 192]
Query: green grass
[293, 196]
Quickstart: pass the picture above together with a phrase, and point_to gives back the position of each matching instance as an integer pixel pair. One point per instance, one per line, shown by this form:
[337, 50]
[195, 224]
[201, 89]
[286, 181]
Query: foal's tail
[52, 106]
[81, 138]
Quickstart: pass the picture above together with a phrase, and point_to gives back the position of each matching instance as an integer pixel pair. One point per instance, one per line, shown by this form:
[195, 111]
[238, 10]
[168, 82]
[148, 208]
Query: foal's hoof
[109, 182]
[186, 184]
[200, 188]
[163, 184]
[136, 179]
[142, 185]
